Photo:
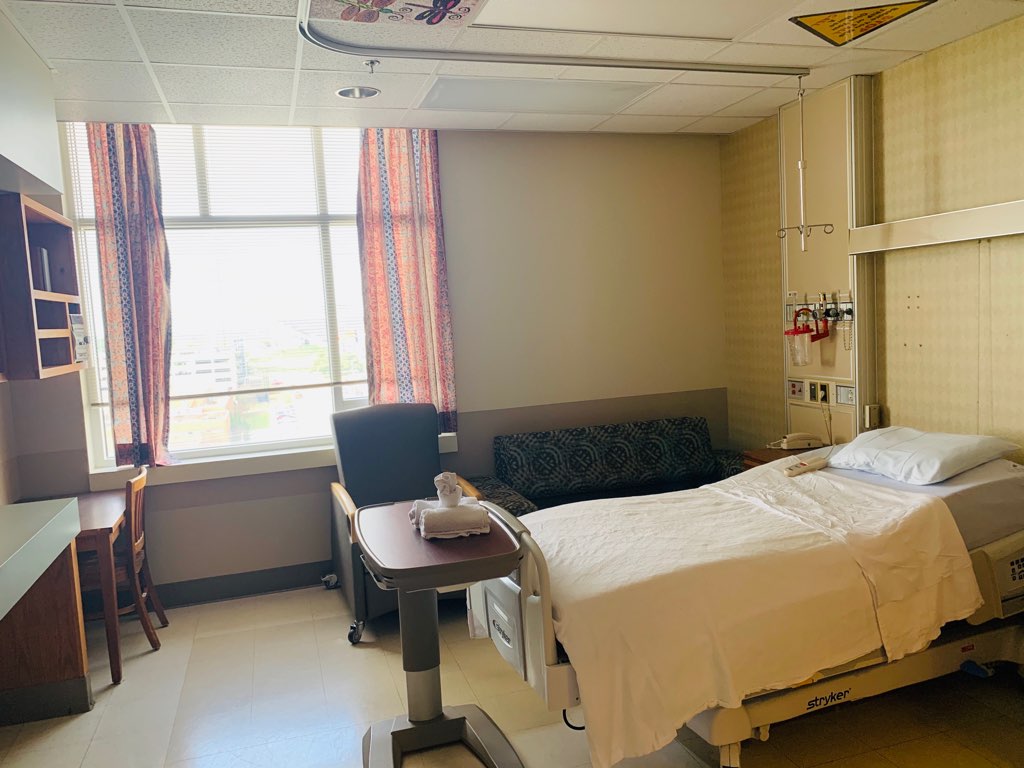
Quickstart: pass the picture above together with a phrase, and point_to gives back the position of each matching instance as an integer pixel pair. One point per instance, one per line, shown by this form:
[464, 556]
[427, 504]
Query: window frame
[100, 448]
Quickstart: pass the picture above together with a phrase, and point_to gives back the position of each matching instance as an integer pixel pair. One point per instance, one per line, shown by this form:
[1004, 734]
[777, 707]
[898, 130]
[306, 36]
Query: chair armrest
[728, 463]
[340, 497]
[504, 495]
[468, 489]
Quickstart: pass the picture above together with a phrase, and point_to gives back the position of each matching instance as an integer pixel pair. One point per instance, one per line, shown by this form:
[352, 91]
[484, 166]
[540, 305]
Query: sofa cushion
[503, 495]
[568, 462]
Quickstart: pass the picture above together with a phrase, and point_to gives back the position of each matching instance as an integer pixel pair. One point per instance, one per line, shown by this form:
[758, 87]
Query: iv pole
[803, 228]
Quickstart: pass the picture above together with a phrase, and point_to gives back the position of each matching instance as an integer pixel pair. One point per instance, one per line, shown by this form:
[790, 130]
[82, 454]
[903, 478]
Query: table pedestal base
[388, 740]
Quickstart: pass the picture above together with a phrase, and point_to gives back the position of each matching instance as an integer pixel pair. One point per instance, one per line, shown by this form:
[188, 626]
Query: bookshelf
[38, 290]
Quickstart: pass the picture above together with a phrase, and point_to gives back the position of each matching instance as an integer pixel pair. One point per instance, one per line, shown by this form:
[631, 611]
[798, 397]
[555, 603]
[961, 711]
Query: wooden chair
[130, 566]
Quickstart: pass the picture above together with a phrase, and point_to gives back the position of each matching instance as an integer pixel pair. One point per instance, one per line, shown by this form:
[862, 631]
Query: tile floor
[272, 682]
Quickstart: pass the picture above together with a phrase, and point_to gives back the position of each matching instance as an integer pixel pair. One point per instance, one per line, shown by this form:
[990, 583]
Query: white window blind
[266, 292]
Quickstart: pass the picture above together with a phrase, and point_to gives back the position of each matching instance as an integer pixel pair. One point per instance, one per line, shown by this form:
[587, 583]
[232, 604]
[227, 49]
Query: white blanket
[671, 604]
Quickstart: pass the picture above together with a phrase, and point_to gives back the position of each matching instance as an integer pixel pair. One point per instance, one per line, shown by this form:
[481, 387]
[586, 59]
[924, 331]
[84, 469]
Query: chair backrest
[387, 452]
[134, 510]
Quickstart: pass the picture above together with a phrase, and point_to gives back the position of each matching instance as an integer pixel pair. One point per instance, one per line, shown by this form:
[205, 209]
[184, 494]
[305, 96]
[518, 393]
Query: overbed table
[399, 558]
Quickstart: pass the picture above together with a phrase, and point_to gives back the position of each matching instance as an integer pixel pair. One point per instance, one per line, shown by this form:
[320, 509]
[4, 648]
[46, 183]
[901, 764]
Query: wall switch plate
[812, 391]
[796, 389]
[845, 395]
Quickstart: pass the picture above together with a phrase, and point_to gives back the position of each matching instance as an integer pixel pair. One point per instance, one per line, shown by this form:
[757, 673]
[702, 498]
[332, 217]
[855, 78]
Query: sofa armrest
[728, 463]
[504, 495]
[468, 489]
[341, 498]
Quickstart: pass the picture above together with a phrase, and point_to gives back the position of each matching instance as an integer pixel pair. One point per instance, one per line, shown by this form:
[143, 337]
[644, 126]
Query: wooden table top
[101, 510]
[395, 550]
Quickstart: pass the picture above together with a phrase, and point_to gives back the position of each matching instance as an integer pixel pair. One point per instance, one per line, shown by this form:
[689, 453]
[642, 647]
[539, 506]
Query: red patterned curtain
[405, 280]
[135, 279]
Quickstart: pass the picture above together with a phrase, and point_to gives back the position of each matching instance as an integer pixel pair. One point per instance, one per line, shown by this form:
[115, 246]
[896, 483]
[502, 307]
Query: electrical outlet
[822, 392]
[796, 389]
[812, 391]
[845, 395]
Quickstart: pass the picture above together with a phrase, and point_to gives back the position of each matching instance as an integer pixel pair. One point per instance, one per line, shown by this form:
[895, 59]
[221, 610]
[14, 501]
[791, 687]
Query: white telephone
[798, 440]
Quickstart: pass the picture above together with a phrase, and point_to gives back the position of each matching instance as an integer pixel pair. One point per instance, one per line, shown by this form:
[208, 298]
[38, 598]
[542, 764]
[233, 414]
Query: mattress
[987, 502]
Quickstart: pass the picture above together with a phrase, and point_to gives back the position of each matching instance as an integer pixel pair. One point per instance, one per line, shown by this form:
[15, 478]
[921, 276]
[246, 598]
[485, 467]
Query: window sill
[221, 467]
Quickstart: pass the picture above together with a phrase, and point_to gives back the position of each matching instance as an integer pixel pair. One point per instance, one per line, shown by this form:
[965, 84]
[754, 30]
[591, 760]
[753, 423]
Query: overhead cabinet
[38, 290]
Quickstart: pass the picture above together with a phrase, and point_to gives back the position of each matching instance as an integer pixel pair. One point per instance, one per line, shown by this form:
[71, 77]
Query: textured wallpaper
[752, 267]
[950, 135]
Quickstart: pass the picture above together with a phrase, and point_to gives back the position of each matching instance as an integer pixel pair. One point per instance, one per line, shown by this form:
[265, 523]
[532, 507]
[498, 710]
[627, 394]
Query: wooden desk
[101, 516]
[43, 666]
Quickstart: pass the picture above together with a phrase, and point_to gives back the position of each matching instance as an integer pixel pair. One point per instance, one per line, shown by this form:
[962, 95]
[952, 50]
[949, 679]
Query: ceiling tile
[728, 78]
[773, 55]
[488, 69]
[781, 31]
[179, 37]
[103, 80]
[854, 61]
[617, 74]
[219, 114]
[316, 58]
[762, 104]
[386, 35]
[111, 112]
[675, 99]
[435, 118]
[266, 7]
[224, 85]
[349, 118]
[517, 41]
[721, 124]
[319, 89]
[942, 23]
[644, 124]
[84, 31]
[540, 122]
[656, 48]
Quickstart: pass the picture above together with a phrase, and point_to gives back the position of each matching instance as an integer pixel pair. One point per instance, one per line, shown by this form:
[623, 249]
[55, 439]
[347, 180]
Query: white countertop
[32, 535]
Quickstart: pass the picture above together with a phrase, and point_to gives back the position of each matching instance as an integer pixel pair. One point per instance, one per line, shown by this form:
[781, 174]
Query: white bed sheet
[663, 616]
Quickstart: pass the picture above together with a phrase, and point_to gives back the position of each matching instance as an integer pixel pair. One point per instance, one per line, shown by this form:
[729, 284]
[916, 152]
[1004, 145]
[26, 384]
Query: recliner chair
[384, 453]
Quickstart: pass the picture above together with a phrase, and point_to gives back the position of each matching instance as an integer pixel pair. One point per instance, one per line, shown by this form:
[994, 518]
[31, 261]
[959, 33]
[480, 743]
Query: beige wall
[582, 267]
[950, 135]
[28, 121]
[752, 265]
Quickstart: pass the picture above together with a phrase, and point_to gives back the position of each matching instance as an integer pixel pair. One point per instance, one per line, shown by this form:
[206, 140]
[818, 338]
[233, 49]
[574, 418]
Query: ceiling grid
[243, 61]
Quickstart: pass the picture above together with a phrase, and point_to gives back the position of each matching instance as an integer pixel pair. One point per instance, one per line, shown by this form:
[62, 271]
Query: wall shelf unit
[38, 290]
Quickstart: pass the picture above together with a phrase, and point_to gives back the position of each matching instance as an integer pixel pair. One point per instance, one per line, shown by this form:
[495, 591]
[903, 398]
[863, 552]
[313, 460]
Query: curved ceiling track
[366, 52]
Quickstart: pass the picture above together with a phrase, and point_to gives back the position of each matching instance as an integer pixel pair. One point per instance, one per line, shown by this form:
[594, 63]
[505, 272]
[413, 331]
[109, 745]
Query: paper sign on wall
[842, 27]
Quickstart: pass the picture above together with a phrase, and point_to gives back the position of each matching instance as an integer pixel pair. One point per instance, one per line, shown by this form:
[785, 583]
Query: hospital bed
[986, 503]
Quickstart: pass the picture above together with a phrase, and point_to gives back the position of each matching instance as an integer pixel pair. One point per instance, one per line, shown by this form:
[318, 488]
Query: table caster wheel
[355, 632]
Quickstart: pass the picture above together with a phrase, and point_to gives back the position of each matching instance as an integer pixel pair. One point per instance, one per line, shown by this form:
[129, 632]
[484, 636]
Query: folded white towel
[453, 522]
[422, 505]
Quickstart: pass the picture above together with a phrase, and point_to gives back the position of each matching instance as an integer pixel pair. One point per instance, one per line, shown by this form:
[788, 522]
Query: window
[266, 295]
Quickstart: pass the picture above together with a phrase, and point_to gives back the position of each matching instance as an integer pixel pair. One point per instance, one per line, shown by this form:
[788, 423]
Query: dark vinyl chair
[385, 453]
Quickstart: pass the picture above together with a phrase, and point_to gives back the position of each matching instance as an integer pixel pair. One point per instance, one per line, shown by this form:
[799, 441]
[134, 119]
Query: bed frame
[515, 612]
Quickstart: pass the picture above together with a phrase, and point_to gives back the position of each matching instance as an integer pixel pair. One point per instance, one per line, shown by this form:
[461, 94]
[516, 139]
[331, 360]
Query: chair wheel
[355, 632]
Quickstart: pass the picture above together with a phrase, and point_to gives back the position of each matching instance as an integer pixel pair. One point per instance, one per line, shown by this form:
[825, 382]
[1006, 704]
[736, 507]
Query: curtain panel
[135, 280]
[405, 279]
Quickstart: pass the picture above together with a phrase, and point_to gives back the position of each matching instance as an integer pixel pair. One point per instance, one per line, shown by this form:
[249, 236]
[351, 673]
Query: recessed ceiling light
[358, 92]
[361, 91]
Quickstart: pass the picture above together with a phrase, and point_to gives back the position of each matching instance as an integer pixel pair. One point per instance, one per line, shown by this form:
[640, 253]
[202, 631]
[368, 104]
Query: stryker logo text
[501, 632]
[827, 701]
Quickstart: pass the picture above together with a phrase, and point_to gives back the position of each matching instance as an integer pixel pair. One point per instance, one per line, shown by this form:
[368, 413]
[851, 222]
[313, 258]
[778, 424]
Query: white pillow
[919, 458]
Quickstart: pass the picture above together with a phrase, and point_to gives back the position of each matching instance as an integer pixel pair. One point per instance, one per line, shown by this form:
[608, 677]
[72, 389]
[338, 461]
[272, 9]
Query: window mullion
[199, 145]
[327, 264]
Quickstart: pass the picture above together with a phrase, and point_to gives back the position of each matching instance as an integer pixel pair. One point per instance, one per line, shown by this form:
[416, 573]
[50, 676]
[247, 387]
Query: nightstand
[759, 456]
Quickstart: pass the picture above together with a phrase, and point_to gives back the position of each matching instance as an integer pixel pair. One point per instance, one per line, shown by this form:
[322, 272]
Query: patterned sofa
[534, 470]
